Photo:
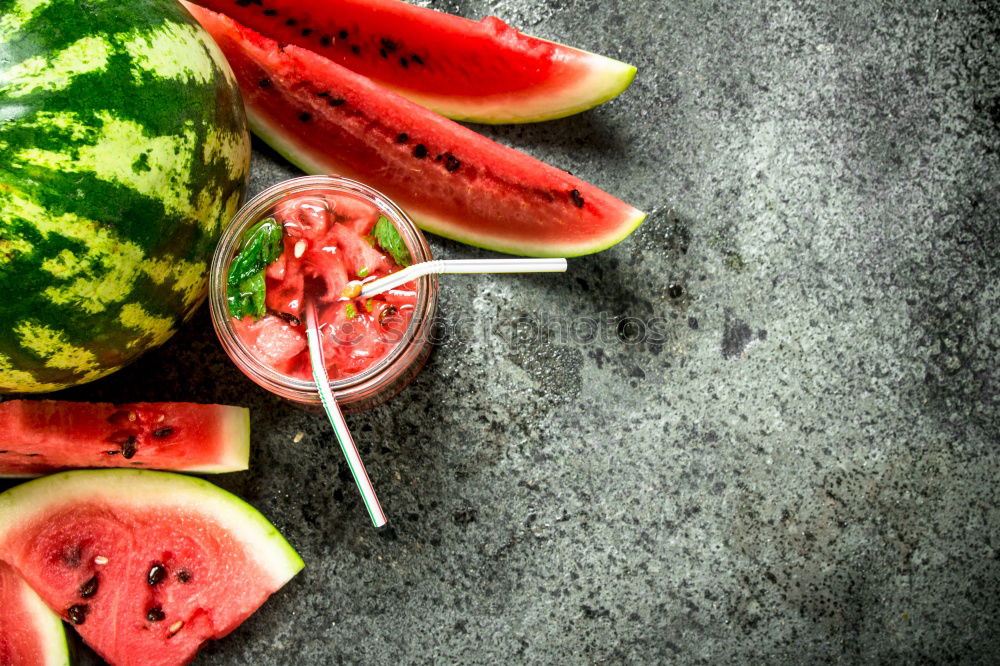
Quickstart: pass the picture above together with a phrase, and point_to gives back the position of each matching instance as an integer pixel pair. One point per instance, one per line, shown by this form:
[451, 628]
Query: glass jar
[377, 383]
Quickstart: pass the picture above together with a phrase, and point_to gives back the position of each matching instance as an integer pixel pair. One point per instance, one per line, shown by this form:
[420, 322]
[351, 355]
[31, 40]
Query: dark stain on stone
[465, 516]
[693, 323]
[735, 337]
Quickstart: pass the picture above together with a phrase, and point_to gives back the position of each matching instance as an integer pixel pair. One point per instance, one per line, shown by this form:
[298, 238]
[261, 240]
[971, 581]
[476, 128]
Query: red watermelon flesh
[146, 566]
[483, 71]
[41, 436]
[30, 633]
[451, 180]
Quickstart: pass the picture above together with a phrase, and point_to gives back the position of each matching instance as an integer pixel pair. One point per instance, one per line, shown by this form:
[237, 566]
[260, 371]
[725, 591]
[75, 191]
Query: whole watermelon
[123, 151]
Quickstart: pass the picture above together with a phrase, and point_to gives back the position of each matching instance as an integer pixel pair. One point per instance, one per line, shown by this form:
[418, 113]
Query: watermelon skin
[451, 180]
[61, 531]
[483, 71]
[123, 151]
[30, 633]
[43, 436]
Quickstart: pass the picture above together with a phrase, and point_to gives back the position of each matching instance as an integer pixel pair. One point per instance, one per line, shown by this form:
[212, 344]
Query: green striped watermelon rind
[98, 280]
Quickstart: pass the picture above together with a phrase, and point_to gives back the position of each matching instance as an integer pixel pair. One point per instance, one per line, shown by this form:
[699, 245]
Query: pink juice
[327, 244]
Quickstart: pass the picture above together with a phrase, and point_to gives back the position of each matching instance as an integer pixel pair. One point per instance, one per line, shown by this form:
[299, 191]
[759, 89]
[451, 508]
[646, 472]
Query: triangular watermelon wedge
[480, 71]
[145, 565]
[30, 633]
[451, 180]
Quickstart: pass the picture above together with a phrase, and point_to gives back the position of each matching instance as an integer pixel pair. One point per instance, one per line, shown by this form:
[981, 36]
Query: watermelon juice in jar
[319, 238]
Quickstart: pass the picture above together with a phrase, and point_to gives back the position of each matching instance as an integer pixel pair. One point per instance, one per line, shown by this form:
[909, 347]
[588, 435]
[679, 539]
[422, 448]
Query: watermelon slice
[41, 436]
[483, 71]
[145, 565]
[30, 634]
[452, 181]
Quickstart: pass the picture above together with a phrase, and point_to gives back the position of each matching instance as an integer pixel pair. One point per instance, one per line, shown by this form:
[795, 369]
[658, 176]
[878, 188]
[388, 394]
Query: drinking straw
[336, 417]
[440, 266]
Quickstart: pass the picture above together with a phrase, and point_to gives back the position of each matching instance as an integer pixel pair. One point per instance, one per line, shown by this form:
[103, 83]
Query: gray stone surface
[791, 457]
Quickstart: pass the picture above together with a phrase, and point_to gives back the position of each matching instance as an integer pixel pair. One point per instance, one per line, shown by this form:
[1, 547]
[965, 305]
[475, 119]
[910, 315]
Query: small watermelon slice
[146, 566]
[30, 633]
[482, 71]
[451, 180]
[41, 436]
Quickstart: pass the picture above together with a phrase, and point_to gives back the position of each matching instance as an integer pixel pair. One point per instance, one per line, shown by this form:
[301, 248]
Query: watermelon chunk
[451, 180]
[41, 436]
[145, 565]
[30, 633]
[482, 71]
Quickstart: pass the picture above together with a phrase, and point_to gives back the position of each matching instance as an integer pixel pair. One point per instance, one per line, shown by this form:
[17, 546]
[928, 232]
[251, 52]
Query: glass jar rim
[249, 214]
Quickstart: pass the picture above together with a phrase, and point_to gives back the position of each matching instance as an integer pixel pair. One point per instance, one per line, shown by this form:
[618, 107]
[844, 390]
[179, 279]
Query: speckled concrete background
[791, 456]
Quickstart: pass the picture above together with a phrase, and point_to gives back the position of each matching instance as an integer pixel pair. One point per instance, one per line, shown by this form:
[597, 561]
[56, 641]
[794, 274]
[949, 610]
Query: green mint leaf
[388, 238]
[363, 272]
[368, 305]
[350, 311]
[255, 289]
[261, 245]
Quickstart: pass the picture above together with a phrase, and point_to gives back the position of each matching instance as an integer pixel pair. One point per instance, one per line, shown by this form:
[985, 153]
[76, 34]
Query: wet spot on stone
[693, 323]
[735, 337]
[711, 436]
[762, 335]
[637, 372]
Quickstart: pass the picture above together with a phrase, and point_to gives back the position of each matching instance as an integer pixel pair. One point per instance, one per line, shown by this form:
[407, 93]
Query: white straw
[440, 266]
[336, 417]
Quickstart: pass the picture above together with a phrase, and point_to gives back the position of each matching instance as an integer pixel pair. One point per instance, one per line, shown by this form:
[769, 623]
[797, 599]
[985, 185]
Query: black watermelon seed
[675, 290]
[184, 576]
[163, 432]
[389, 45]
[112, 453]
[342, 34]
[32, 455]
[305, 117]
[577, 198]
[128, 448]
[325, 40]
[452, 163]
[270, 12]
[402, 138]
[78, 614]
[336, 101]
[264, 83]
[323, 94]
[155, 614]
[383, 53]
[404, 62]
[244, 3]
[89, 589]
[306, 32]
[156, 574]
[291, 21]
[355, 49]
[420, 151]
[415, 58]
[4, 451]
